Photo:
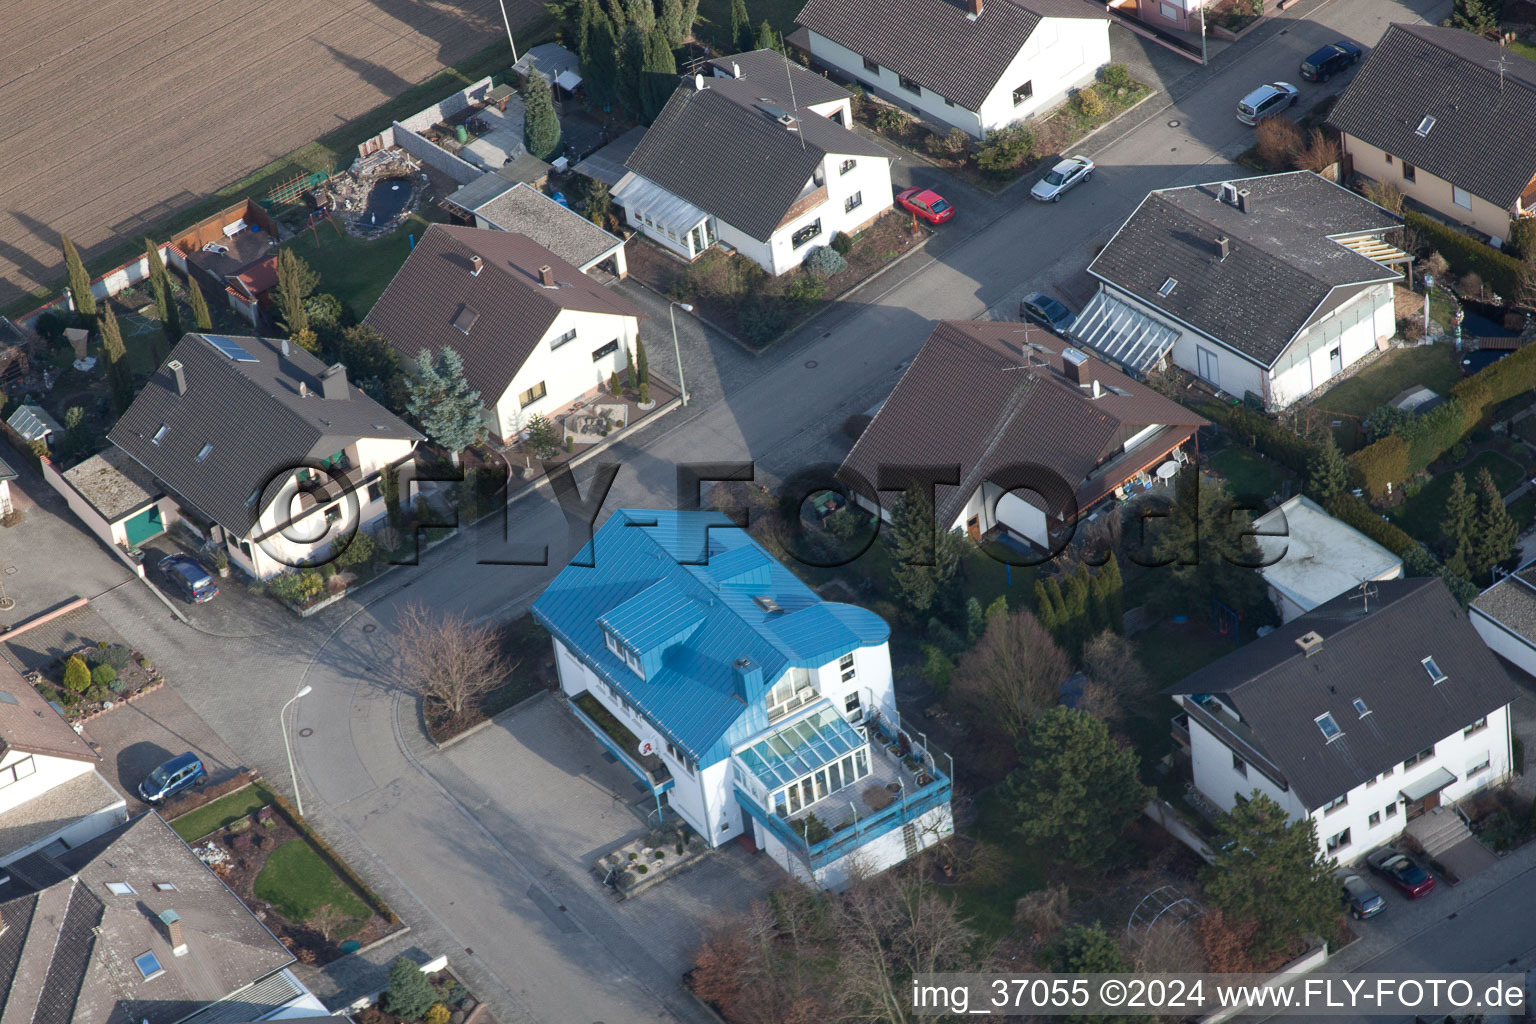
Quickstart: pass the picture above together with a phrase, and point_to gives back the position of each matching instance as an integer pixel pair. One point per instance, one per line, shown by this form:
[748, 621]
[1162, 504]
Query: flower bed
[104, 676]
[455, 1005]
[645, 861]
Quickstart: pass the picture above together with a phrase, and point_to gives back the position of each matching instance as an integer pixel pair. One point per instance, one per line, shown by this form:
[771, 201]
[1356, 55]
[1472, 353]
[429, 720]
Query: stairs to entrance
[1438, 830]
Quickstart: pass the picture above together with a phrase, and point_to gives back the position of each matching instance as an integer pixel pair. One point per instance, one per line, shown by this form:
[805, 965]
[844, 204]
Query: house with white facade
[971, 64]
[1310, 558]
[1363, 714]
[759, 157]
[535, 333]
[1038, 434]
[267, 452]
[1504, 615]
[1268, 286]
[521, 208]
[51, 795]
[749, 706]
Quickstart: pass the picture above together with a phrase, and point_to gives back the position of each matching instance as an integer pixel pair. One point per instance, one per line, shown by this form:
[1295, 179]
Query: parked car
[1364, 901]
[926, 203]
[1266, 101]
[1329, 61]
[1404, 875]
[1039, 308]
[179, 773]
[189, 579]
[1072, 171]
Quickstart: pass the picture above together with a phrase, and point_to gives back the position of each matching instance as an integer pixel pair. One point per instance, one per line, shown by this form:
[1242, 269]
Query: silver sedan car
[1072, 171]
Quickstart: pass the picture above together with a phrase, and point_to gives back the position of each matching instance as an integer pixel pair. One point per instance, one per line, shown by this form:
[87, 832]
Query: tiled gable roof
[1484, 134]
[1283, 264]
[29, 723]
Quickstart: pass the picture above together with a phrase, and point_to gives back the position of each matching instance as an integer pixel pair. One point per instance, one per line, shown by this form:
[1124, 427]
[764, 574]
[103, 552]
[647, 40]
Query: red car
[926, 203]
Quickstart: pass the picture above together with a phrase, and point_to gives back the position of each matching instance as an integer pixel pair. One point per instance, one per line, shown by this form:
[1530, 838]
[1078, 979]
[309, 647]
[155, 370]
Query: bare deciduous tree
[1015, 671]
[1116, 677]
[448, 660]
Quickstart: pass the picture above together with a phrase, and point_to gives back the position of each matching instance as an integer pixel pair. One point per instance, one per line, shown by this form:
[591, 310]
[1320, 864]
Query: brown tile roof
[435, 286]
[968, 400]
[934, 42]
[29, 723]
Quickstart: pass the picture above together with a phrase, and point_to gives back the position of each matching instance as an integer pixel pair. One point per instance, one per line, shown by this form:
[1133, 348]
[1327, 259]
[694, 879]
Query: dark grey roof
[564, 232]
[75, 942]
[6, 472]
[810, 88]
[607, 164]
[934, 42]
[1283, 266]
[1372, 651]
[966, 401]
[754, 168]
[435, 285]
[1484, 135]
[254, 416]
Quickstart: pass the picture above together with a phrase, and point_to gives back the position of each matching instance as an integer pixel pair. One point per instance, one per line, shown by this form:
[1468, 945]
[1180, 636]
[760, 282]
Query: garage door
[143, 526]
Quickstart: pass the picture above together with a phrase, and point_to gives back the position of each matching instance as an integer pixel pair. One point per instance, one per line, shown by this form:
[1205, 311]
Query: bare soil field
[117, 113]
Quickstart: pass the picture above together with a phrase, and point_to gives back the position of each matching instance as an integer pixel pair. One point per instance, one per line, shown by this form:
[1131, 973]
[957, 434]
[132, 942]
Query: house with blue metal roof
[749, 706]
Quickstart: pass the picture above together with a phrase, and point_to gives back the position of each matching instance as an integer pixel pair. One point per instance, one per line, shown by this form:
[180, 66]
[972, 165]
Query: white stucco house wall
[748, 706]
[535, 333]
[976, 65]
[1269, 286]
[784, 170]
[1359, 716]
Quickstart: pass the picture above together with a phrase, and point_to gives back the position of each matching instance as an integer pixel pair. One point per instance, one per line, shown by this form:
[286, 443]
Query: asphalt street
[414, 825]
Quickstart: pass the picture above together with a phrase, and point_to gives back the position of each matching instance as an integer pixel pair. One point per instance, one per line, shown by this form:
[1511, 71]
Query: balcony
[624, 745]
[1179, 727]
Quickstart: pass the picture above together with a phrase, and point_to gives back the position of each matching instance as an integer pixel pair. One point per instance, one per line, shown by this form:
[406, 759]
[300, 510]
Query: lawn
[1251, 477]
[1421, 514]
[298, 882]
[988, 898]
[715, 18]
[216, 814]
[357, 271]
[1432, 366]
[1523, 510]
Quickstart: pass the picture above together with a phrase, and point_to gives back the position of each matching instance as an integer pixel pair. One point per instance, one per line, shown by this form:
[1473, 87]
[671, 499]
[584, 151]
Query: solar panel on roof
[230, 348]
[6, 697]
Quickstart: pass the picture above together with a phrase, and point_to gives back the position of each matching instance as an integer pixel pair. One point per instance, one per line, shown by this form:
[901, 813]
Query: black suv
[1329, 61]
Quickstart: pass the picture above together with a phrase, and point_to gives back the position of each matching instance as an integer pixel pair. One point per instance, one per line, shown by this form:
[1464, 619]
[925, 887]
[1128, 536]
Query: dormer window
[1435, 675]
[623, 652]
[795, 690]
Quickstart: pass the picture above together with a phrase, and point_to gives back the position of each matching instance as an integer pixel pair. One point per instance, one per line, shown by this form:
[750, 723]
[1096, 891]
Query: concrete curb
[498, 716]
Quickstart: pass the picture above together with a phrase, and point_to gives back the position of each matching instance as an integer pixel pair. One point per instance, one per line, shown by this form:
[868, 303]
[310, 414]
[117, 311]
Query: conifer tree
[442, 402]
[641, 14]
[295, 282]
[200, 317]
[657, 79]
[541, 125]
[119, 374]
[767, 39]
[79, 280]
[671, 21]
[1327, 472]
[165, 298]
[643, 369]
[924, 558]
[1456, 527]
[1494, 538]
[689, 18]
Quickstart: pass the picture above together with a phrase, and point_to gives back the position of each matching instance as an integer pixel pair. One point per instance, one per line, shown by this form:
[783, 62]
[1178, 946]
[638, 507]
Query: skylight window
[1330, 728]
[1168, 287]
[165, 886]
[1436, 676]
[465, 319]
[207, 449]
[1422, 131]
[254, 498]
[160, 434]
[148, 965]
[1361, 708]
[119, 888]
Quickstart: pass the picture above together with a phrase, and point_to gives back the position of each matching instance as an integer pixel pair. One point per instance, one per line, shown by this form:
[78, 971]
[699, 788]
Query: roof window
[1436, 676]
[465, 319]
[1422, 131]
[1361, 708]
[160, 434]
[148, 965]
[207, 449]
[165, 886]
[1168, 287]
[120, 889]
[1330, 728]
[766, 603]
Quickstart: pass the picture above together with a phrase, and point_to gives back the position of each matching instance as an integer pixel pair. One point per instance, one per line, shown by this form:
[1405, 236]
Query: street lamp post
[676, 350]
[282, 719]
[508, 24]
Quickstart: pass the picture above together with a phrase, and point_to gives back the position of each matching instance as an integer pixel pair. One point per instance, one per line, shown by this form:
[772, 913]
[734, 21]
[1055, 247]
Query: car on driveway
[179, 773]
[1072, 171]
[1402, 873]
[1329, 61]
[1039, 308]
[184, 575]
[1363, 900]
[926, 203]
[1266, 101]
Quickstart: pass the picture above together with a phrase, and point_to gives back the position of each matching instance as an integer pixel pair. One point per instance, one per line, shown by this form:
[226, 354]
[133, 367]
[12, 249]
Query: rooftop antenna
[1501, 63]
[1367, 591]
[789, 79]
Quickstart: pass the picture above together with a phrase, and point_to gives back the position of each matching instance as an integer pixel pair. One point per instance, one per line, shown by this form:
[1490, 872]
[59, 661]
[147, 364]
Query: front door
[1335, 361]
[1205, 365]
[1432, 801]
[973, 527]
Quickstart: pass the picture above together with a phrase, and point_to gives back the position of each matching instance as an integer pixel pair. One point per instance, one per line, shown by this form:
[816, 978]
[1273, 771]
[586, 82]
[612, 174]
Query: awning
[568, 80]
[1124, 335]
[799, 749]
[1431, 783]
[641, 196]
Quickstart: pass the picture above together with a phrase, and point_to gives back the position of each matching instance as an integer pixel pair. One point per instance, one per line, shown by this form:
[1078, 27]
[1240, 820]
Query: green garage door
[143, 526]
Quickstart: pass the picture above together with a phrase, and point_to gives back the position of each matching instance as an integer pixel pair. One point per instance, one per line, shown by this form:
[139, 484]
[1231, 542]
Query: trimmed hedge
[1291, 450]
[1355, 512]
[1465, 253]
[1397, 456]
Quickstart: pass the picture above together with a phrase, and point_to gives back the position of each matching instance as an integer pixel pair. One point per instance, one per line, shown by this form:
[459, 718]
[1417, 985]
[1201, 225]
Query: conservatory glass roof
[800, 748]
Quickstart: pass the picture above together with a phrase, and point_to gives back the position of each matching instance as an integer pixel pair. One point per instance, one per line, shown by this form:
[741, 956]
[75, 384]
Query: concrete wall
[108, 533]
[434, 156]
[1428, 189]
[446, 107]
[885, 851]
[568, 372]
[118, 279]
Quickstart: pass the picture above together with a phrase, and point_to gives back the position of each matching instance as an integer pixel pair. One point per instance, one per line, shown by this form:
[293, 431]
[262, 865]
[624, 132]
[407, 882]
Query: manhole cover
[1174, 124]
[811, 364]
[10, 570]
[369, 628]
[306, 732]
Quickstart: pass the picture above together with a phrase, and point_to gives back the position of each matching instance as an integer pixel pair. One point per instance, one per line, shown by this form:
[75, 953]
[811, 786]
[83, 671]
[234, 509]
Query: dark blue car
[1329, 61]
[179, 773]
[184, 575]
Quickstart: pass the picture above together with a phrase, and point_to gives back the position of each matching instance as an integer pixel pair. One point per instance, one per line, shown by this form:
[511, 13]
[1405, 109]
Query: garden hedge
[1354, 511]
[1286, 447]
[1466, 254]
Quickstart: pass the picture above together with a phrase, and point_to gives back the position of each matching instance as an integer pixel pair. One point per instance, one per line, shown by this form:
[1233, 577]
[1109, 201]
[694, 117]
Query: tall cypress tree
[200, 317]
[643, 370]
[741, 26]
[79, 280]
[689, 18]
[295, 282]
[671, 21]
[767, 39]
[119, 375]
[586, 17]
[541, 125]
[641, 14]
[658, 73]
[165, 299]
[1494, 537]
[1327, 472]
[1456, 527]
[600, 67]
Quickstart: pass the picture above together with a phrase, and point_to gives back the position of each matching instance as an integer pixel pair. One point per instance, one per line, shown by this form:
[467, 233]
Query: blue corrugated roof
[705, 617]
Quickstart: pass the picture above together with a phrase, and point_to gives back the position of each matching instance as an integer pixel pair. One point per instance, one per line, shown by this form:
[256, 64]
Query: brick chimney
[1076, 364]
[547, 277]
[1223, 247]
[333, 383]
[476, 264]
[179, 372]
[173, 932]
[1243, 200]
[974, 7]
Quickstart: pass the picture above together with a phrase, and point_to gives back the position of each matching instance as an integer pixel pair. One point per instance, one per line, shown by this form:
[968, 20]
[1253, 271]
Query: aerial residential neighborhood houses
[712, 513]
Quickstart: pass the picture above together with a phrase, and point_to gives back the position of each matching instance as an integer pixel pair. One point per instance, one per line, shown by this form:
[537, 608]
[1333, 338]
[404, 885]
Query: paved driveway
[37, 569]
[135, 738]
